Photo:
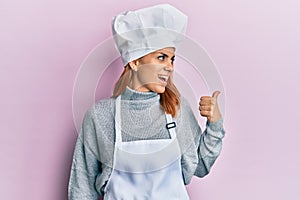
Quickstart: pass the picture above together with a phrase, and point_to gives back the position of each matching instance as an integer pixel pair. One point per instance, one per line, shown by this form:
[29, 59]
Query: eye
[161, 58]
[172, 59]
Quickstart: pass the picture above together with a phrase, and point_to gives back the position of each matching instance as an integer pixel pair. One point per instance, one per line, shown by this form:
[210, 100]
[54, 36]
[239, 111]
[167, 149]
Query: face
[151, 72]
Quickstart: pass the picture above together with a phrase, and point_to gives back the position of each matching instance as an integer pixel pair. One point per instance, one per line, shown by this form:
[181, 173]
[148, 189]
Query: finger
[205, 103]
[216, 94]
[201, 108]
[205, 113]
[205, 98]
[205, 108]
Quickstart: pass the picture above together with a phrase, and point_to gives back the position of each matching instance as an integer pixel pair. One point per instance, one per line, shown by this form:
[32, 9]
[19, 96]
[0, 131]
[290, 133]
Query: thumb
[216, 94]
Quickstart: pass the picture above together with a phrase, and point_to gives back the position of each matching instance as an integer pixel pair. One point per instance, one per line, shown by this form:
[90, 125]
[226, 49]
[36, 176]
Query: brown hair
[169, 99]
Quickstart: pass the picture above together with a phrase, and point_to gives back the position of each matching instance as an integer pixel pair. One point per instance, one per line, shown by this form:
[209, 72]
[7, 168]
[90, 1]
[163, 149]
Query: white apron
[146, 169]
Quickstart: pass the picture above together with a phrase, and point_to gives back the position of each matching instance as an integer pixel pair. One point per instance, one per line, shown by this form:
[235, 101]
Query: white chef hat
[140, 32]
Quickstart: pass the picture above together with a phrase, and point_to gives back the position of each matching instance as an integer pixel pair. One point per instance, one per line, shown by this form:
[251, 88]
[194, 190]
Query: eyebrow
[166, 54]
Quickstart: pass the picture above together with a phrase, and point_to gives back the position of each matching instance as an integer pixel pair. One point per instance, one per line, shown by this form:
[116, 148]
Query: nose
[169, 67]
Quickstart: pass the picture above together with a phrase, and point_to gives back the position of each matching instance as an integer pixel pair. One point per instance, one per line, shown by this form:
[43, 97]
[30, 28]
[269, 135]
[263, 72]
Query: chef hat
[140, 32]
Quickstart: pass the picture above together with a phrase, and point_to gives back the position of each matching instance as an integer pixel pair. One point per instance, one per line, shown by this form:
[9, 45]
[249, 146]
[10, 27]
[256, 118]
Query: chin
[158, 89]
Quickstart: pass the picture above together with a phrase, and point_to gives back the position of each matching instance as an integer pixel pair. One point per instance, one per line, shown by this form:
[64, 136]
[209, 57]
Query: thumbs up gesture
[209, 108]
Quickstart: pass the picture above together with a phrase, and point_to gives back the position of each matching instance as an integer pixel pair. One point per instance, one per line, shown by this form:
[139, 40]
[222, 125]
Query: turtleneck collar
[131, 94]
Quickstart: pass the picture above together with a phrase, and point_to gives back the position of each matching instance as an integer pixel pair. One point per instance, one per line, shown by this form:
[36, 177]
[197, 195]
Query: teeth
[165, 77]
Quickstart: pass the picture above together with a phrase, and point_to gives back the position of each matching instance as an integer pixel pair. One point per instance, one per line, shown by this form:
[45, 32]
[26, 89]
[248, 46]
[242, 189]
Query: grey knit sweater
[142, 119]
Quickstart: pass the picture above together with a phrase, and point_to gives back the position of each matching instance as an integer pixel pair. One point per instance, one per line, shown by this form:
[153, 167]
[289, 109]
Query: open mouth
[163, 78]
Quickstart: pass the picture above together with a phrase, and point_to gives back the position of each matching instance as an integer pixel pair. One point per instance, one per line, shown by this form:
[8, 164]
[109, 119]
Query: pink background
[255, 45]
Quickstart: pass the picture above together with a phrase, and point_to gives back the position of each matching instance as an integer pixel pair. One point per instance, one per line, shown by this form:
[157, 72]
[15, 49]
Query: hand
[209, 108]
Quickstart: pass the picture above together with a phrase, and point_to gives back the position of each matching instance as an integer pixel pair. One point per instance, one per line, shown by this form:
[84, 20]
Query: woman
[145, 142]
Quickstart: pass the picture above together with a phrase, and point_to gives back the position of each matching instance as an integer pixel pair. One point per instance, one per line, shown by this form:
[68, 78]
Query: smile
[164, 78]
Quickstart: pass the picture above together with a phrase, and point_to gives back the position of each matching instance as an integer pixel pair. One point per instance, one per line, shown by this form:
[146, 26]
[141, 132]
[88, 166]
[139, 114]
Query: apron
[145, 169]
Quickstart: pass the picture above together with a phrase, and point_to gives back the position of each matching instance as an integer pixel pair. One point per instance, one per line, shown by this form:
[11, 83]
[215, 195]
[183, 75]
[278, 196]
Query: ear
[134, 64]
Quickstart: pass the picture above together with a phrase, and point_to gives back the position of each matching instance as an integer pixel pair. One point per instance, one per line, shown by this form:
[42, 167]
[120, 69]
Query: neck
[136, 85]
[131, 94]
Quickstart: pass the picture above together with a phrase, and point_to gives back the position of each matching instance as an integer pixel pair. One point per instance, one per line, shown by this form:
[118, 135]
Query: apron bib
[145, 169]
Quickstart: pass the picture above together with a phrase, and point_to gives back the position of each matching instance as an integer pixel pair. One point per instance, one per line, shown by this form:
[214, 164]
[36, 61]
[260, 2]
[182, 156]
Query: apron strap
[118, 120]
[171, 125]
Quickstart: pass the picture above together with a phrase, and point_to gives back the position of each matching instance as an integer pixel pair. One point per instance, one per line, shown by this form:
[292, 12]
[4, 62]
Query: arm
[209, 147]
[85, 165]
[199, 149]
[210, 144]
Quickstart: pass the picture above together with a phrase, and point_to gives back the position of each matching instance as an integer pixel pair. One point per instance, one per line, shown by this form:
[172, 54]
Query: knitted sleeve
[201, 148]
[85, 165]
[209, 147]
